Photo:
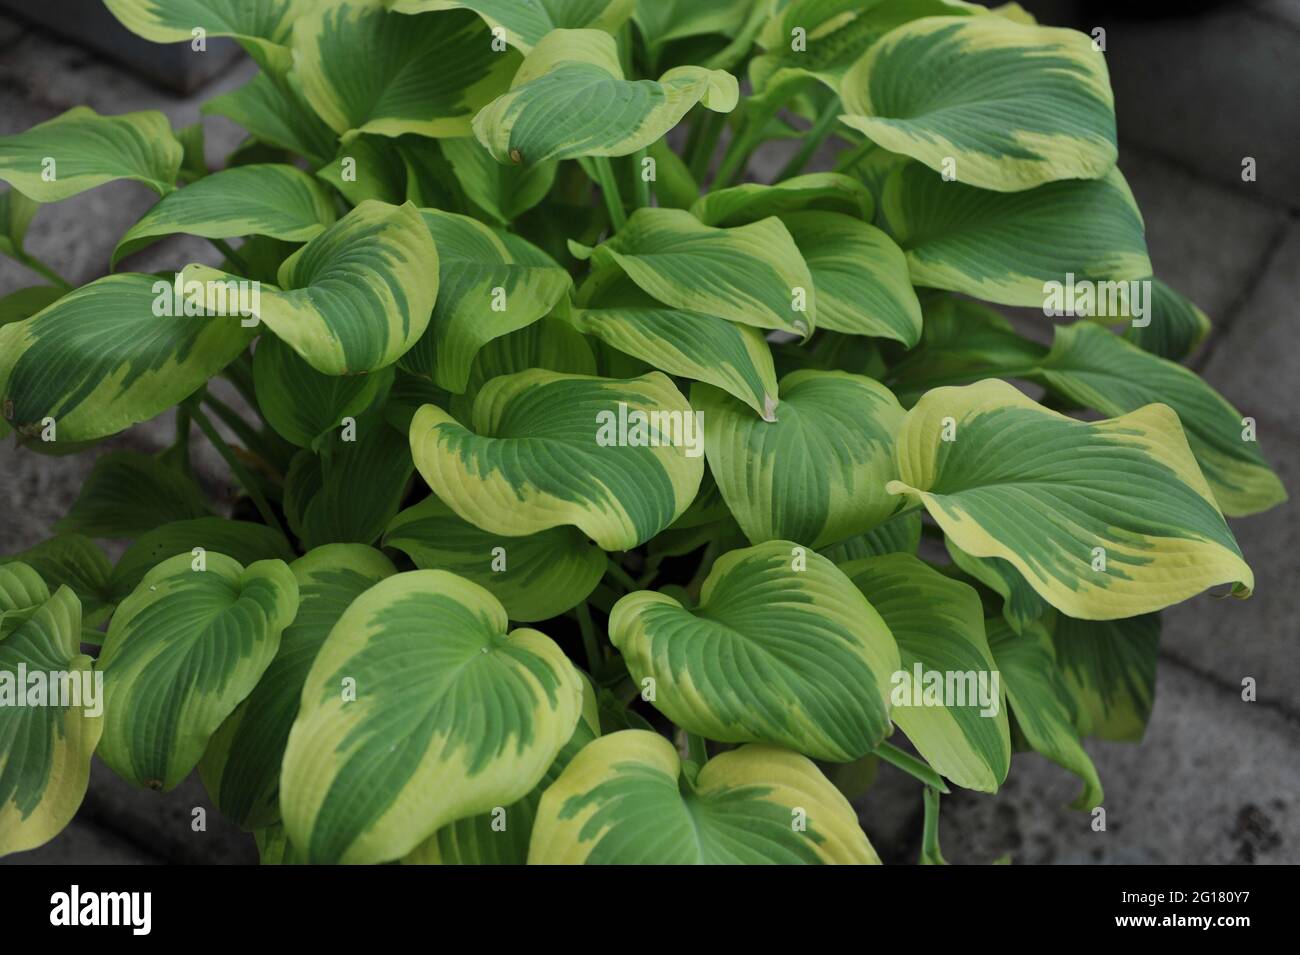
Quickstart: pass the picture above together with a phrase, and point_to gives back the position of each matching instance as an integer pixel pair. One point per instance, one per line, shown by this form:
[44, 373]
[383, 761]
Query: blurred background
[1216, 780]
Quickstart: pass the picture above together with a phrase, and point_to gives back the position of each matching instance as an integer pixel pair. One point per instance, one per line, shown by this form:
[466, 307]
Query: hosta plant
[605, 496]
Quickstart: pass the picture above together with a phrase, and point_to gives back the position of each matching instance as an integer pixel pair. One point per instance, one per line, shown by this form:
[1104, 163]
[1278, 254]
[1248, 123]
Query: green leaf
[971, 240]
[626, 799]
[898, 535]
[694, 345]
[547, 112]
[419, 710]
[26, 302]
[128, 493]
[1110, 669]
[16, 214]
[276, 114]
[241, 767]
[818, 191]
[244, 541]
[1176, 325]
[262, 27]
[45, 747]
[1042, 703]
[535, 577]
[364, 69]
[817, 473]
[1021, 605]
[550, 344]
[299, 402]
[503, 192]
[525, 22]
[358, 296]
[79, 150]
[939, 625]
[101, 358]
[662, 21]
[861, 277]
[1089, 365]
[749, 274]
[182, 651]
[1106, 519]
[75, 562]
[282, 202]
[489, 285]
[619, 459]
[1012, 105]
[782, 649]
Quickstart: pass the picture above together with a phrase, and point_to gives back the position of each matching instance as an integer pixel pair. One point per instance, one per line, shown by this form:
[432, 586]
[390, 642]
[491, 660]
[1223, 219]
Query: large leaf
[262, 26]
[817, 473]
[450, 717]
[489, 285]
[128, 493]
[276, 114]
[245, 541]
[504, 192]
[101, 359]
[366, 70]
[817, 191]
[182, 651]
[79, 150]
[535, 577]
[748, 274]
[50, 713]
[898, 535]
[269, 199]
[1105, 519]
[974, 241]
[356, 297]
[619, 459]
[962, 729]
[1013, 105]
[1041, 700]
[550, 344]
[626, 799]
[548, 113]
[241, 767]
[1089, 365]
[525, 22]
[782, 649]
[733, 357]
[1110, 669]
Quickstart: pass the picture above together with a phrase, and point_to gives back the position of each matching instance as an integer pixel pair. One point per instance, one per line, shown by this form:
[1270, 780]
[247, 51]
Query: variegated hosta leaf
[1021, 605]
[973, 241]
[489, 285]
[750, 274]
[108, 355]
[51, 713]
[241, 767]
[1106, 519]
[299, 402]
[817, 473]
[501, 837]
[781, 649]
[550, 344]
[1110, 669]
[947, 696]
[1176, 328]
[619, 459]
[262, 26]
[548, 112]
[863, 286]
[76, 562]
[419, 710]
[358, 296]
[535, 577]
[128, 493]
[267, 199]
[22, 589]
[733, 357]
[504, 192]
[819, 191]
[1089, 365]
[366, 70]
[16, 214]
[525, 22]
[276, 114]
[999, 105]
[79, 150]
[627, 799]
[898, 535]
[181, 653]
[1040, 698]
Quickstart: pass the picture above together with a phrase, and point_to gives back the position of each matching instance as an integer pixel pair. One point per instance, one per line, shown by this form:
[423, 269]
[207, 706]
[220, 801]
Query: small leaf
[128, 493]
[818, 191]
[75, 562]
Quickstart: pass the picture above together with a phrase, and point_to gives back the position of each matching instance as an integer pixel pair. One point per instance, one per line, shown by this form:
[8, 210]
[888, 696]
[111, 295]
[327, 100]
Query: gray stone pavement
[1216, 779]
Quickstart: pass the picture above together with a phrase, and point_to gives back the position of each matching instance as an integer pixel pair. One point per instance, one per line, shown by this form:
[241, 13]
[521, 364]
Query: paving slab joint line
[1282, 710]
[1181, 165]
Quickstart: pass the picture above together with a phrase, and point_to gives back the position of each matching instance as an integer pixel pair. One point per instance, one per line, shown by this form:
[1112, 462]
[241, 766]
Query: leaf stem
[640, 187]
[246, 480]
[619, 574]
[224, 248]
[710, 129]
[595, 661]
[696, 749]
[930, 854]
[912, 766]
[43, 270]
[819, 133]
[609, 189]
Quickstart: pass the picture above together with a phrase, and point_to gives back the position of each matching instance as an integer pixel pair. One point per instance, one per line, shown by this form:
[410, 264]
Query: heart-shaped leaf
[181, 652]
[245, 541]
[782, 648]
[619, 459]
[419, 710]
[626, 799]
